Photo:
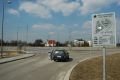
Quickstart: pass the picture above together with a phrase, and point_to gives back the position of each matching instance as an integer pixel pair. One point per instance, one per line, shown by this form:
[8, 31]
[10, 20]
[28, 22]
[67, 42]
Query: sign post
[104, 63]
[104, 33]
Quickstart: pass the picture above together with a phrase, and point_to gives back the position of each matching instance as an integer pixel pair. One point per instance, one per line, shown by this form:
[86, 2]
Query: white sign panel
[104, 29]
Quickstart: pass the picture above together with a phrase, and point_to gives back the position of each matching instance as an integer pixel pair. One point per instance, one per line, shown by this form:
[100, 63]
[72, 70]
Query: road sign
[104, 29]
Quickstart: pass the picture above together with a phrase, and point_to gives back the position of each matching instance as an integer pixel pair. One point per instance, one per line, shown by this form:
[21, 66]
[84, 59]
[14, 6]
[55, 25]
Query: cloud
[87, 25]
[63, 6]
[79, 32]
[61, 27]
[75, 25]
[76, 32]
[43, 26]
[45, 8]
[35, 9]
[51, 33]
[90, 6]
[49, 27]
[13, 12]
[118, 2]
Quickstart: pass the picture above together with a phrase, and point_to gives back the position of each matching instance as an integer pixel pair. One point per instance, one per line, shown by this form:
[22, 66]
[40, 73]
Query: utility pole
[27, 34]
[58, 40]
[25, 44]
[26, 37]
[70, 45]
[17, 38]
[2, 30]
[69, 36]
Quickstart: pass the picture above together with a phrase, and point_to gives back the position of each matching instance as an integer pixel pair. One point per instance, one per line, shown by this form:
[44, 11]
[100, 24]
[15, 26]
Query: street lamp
[2, 31]
[69, 37]
[26, 38]
[3, 11]
[17, 39]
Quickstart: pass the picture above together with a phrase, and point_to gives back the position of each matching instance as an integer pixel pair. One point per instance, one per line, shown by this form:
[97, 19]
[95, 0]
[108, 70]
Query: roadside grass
[7, 54]
[92, 69]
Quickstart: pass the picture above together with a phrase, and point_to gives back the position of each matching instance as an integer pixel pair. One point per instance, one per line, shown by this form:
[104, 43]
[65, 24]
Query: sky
[61, 20]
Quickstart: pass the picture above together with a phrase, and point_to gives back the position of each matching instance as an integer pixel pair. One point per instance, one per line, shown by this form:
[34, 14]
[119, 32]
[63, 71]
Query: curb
[6, 60]
[67, 76]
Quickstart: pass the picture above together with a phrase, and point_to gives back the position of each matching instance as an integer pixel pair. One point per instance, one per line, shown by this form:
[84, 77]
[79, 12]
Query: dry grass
[92, 69]
[9, 54]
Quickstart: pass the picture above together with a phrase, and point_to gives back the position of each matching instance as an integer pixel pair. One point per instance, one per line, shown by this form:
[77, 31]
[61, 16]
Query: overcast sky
[54, 19]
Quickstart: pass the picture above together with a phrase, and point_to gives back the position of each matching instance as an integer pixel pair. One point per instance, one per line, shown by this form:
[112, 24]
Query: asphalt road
[40, 68]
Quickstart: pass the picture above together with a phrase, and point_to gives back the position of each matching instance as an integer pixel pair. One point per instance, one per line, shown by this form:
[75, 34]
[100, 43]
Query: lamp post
[17, 40]
[2, 29]
[26, 38]
[69, 37]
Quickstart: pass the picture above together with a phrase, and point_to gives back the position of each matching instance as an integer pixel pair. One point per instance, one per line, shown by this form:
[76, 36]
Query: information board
[104, 29]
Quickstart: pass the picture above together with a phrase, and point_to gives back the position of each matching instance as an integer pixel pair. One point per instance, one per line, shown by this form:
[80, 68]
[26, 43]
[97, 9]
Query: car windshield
[59, 52]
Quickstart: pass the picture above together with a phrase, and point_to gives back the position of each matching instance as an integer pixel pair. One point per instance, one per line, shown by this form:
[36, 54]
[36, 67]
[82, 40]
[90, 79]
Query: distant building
[90, 43]
[50, 43]
[78, 43]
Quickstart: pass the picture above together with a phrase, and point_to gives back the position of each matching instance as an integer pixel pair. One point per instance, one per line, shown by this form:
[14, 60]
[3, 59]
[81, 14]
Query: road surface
[40, 67]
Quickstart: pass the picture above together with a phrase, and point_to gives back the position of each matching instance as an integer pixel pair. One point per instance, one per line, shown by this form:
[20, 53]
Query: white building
[78, 43]
[90, 43]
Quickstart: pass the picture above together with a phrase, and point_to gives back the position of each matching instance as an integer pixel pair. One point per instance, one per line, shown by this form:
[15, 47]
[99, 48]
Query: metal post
[70, 45]
[58, 39]
[17, 39]
[2, 31]
[26, 37]
[90, 44]
[104, 63]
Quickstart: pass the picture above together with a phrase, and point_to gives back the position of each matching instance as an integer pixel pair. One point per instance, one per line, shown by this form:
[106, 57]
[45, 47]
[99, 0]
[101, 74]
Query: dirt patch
[92, 69]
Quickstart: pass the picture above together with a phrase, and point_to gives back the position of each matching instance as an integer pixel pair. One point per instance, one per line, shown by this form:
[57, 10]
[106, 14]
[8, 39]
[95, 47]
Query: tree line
[40, 43]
